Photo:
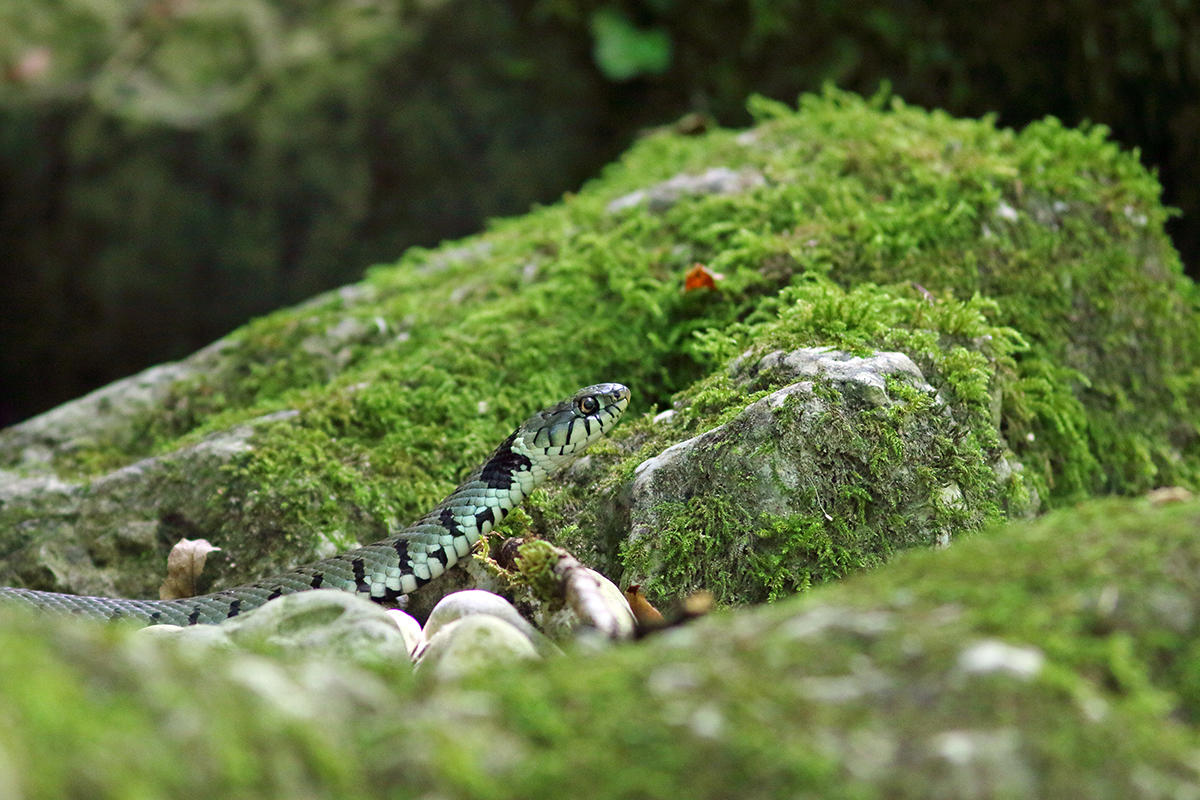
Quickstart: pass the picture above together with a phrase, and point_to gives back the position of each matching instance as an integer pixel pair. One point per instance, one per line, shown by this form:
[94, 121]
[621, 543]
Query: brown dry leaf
[645, 614]
[699, 277]
[184, 565]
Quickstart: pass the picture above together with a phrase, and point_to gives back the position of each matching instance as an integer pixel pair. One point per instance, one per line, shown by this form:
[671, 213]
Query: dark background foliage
[170, 168]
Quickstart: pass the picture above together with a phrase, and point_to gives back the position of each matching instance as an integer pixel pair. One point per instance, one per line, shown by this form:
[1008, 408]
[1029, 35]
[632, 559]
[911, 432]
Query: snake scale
[408, 559]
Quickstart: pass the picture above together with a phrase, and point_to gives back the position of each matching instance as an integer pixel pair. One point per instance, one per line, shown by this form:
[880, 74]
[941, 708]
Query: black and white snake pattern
[408, 559]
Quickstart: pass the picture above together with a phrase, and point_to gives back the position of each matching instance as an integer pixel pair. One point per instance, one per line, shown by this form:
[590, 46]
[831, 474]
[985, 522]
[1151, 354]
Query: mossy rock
[814, 480]
[1048, 659]
[1026, 274]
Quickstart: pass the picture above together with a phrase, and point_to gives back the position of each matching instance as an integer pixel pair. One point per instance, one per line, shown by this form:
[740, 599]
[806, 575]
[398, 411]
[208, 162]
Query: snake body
[408, 559]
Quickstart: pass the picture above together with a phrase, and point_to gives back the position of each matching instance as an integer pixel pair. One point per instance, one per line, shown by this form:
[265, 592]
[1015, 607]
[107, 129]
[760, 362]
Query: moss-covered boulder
[1025, 274]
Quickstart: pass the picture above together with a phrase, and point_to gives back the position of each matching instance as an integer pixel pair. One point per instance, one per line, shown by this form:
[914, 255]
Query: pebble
[475, 601]
[471, 644]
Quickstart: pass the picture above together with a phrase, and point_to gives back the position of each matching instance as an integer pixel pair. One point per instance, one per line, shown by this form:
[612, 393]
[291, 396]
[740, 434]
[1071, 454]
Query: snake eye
[588, 405]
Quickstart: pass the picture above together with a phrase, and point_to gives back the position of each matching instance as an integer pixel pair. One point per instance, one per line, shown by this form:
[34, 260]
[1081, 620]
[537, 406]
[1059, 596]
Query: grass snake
[408, 559]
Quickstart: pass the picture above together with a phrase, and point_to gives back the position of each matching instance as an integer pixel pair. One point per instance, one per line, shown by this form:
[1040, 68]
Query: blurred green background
[170, 168]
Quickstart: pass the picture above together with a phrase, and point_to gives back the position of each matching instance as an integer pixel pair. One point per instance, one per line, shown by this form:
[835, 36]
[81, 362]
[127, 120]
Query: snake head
[565, 429]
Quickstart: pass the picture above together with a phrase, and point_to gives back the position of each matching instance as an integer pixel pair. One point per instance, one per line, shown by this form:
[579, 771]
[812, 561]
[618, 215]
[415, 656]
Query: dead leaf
[647, 616]
[699, 277]
[184, 565]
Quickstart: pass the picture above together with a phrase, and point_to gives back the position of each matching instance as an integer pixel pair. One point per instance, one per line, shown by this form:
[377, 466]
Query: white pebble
[474, 601]
[474, 643]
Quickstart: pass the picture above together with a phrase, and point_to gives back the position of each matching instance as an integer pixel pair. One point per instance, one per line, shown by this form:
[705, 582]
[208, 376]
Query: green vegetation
[182, 167]
[1085, 305]
[1055, 657]
[535, 564]
[864, 482]
[1027, 274]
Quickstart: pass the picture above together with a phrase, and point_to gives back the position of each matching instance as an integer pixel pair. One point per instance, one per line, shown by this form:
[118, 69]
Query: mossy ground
[857, 690]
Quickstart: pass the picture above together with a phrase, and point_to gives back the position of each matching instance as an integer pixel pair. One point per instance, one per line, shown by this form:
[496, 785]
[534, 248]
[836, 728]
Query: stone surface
[860, 377]
[474, 644]
[105, 415]
[470, 602]
[319, 624]
[111, 535]
[834, 429]
[469, 575]
[410, 629]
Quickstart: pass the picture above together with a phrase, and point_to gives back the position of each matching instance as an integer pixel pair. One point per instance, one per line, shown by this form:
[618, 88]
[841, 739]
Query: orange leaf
[698, 277]
[643, 612]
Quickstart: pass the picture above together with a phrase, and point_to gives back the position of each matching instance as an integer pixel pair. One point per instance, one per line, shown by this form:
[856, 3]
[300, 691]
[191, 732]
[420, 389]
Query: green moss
[107, 718]
[852, 690]
[856, 192]
[743, 555]
[1063, 231]
[863, 482]
[1026, 273]
[863, 689]
[535, 565]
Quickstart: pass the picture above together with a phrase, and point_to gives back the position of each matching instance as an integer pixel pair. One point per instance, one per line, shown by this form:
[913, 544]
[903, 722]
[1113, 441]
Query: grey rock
[470, 574]
[857, 376]
[410, 629]
[103, 415]
[443, 260]
[994, 656]
[323, 623]
[345, 297]
[788, 456]
[198, 637]
[110, 536]
[334, 346]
